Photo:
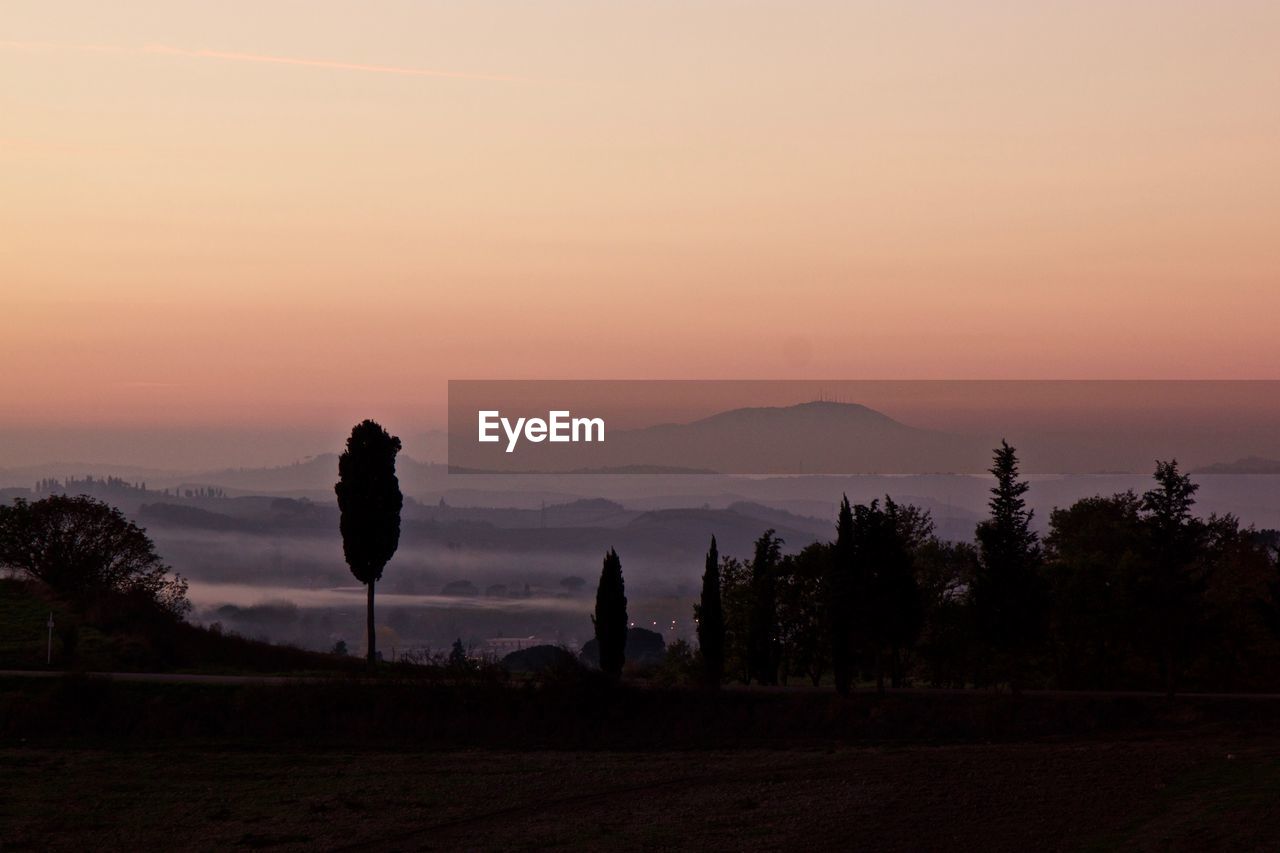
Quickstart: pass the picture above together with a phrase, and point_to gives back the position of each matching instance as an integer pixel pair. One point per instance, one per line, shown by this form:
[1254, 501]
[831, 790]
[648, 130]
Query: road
[165, 677]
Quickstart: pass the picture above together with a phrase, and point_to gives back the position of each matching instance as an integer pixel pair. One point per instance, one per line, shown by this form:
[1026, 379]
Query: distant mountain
[1248, 465]
[809, 438]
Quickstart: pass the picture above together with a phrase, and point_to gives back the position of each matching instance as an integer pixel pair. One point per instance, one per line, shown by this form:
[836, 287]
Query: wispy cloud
[263, 59]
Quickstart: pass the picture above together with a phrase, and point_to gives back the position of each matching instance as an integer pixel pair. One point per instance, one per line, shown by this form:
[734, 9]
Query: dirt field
[1166, 793]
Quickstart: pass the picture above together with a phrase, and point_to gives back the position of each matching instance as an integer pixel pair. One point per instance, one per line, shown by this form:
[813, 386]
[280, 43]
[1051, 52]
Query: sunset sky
[273, 214]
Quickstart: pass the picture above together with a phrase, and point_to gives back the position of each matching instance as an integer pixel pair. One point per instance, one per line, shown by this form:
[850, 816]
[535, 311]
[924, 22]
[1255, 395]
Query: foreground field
[412, 764]
[1191, 793]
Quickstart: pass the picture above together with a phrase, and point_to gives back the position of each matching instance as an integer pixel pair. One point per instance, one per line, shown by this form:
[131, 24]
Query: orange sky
[290, 212]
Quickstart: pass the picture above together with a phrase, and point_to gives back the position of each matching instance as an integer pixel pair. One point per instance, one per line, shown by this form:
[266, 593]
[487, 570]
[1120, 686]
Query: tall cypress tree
[1008, 594]
[841, 589]
[610, 619]
[369, 501]
[709, 613]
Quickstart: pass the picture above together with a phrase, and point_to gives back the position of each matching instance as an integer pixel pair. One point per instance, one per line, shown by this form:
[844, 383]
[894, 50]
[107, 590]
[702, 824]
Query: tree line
[1124, 592]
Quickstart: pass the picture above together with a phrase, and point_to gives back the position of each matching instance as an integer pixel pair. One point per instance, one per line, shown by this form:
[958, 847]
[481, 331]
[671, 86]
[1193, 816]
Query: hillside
[104, 644]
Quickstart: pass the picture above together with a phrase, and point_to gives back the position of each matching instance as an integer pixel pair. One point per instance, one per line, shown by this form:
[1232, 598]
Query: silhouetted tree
[803, 626]
[1145, 593]
[369, 501]
[890, 599]
[843, 588]
[680, 665]
[1238, 647]
[762, 625]
[736, 598]
[945, 573]
[1095, 554]
[709, 614]
[1173, 588]
[1268, 541]
[458, 655]
[610, 619]
[1008, 595]
[85, 549]
[896, 594]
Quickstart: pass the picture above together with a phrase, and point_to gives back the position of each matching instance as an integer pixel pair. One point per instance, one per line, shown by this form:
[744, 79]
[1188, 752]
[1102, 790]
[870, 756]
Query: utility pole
[49, 658]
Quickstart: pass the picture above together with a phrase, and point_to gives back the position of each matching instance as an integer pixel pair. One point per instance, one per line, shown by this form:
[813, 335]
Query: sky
[275, 214]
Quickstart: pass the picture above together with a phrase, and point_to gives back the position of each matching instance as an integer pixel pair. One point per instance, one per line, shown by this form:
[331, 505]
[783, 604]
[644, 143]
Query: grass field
[1152, 794]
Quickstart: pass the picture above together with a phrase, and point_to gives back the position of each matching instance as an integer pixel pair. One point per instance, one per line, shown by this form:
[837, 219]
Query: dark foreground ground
[1160, 794]
[148, 767]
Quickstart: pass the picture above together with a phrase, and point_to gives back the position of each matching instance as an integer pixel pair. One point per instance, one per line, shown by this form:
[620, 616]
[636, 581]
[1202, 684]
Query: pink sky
[294, 213]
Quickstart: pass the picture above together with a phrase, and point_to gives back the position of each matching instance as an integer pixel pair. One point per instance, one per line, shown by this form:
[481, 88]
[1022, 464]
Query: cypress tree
[610, 619]
[843, 596]
[1008, 598]
[369, 501]
[709, 613]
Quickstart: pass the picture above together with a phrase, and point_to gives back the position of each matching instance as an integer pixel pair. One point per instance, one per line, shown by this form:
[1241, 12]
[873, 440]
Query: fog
[507, 577]
[484, 556]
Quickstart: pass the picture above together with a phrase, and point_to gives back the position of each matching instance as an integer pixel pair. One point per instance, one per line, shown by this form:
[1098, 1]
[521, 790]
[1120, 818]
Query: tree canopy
[1008, 588]
[1125, 592]
[610, 618]
[763, 649]
[85, 549]
[369, 501]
